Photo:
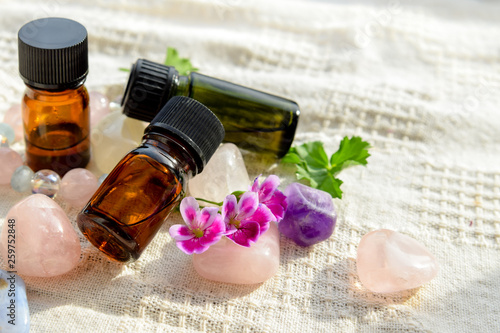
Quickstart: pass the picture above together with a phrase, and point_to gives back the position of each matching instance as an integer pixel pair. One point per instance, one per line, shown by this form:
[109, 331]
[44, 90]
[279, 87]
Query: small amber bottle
[134, 200]
[253, 120]
[53, 63]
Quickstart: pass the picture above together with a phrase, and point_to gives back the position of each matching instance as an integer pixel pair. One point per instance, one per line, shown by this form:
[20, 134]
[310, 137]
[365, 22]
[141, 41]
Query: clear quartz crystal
[46, 182]
[223, 174]
[113, 138]
[21, 179]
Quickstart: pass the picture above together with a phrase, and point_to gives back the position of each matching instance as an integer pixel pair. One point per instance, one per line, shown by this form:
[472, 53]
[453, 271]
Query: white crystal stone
[223, 174]
[114, 136]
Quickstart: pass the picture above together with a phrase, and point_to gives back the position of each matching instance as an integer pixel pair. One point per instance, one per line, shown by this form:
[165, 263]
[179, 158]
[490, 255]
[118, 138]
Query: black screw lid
[150, 85]
[53, 53]
[192, 123]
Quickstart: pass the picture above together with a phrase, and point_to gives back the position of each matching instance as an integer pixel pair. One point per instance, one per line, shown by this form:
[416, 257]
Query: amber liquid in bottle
[134, 200]
[56, 128]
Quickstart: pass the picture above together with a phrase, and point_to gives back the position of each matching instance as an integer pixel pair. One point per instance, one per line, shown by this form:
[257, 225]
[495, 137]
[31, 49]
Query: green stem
[210, 202]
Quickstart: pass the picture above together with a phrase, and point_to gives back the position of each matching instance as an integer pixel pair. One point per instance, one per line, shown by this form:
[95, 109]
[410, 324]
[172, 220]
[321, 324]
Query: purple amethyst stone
[310, 217]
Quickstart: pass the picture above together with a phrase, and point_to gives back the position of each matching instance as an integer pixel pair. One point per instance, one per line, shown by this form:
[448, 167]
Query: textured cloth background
[420, 82]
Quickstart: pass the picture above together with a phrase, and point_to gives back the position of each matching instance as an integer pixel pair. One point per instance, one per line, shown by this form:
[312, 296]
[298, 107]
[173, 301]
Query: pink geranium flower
[245, 220]
[203, 228]
[270, 196]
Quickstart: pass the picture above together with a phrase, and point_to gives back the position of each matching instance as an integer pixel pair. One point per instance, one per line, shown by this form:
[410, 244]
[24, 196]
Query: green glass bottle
[252, 119]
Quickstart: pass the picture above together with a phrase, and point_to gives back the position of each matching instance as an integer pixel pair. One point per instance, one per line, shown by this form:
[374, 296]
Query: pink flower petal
[247, 205]
[268, 186]
[263, 216]
[206, 217]
[229, 207]
[214, 233]
[180, 232]
[247, 233]
[191, 246]
[278, 205]
[189, 209]
[255, 185]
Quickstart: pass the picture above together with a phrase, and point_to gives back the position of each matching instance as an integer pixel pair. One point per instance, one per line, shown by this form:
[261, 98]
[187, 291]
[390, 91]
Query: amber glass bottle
[252, 119]
[53, 62]
[134, 200]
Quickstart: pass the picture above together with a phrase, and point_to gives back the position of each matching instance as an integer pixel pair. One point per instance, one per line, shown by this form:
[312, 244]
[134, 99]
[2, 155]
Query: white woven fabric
[421, 83]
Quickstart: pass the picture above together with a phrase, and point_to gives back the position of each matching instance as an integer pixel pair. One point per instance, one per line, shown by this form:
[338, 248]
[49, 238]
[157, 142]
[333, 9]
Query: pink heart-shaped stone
[389, 262]
[44, 241]
[232, 263]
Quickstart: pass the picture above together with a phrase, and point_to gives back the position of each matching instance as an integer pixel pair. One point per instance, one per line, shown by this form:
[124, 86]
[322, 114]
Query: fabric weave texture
[420, 82]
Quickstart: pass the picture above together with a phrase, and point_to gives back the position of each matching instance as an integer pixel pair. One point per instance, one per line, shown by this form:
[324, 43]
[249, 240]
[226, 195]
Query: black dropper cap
[193, 124]
[150, 85]
[53, 53]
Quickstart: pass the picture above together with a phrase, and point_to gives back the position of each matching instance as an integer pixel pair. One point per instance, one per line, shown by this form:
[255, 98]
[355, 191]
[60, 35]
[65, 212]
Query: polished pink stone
[389, 262]
[231, 263]
[99, 107]
[14, 118]
[9, 162]
[45, 242]
[78, 186]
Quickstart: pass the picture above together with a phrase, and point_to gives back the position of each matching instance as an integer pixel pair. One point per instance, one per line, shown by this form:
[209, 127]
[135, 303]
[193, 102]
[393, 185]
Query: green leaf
[352, 151]
[332, 185]
[291, 157]
[183, 65]
[313, 154]
[123, 69]
[313, 165]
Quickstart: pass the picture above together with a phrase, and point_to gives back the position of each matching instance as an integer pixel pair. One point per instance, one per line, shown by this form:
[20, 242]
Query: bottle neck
[57, 90]
[183, 84]
[181, 159]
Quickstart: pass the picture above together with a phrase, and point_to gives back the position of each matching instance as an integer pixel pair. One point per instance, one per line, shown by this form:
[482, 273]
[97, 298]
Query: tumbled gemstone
[13, 117]
[310, 217]
[77, 187]
[389, 262]
[45, 242]
[9, 162]
[6, 131]
[21, 179]
[223, 174]
[232, 263]
[99, 107]
[46, 182]
[14, 304]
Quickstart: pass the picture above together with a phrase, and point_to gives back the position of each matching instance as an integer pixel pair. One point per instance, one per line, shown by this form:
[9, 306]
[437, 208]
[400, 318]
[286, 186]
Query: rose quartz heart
[45, 242]
[389, 261]
[232, 263]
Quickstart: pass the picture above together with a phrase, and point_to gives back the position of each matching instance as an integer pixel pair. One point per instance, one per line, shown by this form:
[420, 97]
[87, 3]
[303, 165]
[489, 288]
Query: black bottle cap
[150, 85]
[53, 53]
[193, 124]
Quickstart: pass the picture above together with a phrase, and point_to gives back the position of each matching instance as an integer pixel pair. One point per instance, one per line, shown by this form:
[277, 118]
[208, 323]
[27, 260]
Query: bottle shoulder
[79, 93]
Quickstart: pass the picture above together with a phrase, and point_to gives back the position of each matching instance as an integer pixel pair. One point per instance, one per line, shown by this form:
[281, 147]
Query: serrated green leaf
[314, 166]
[182, 65]
[313, 154]
[353, 151]
[331, 185]
[291, 157]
